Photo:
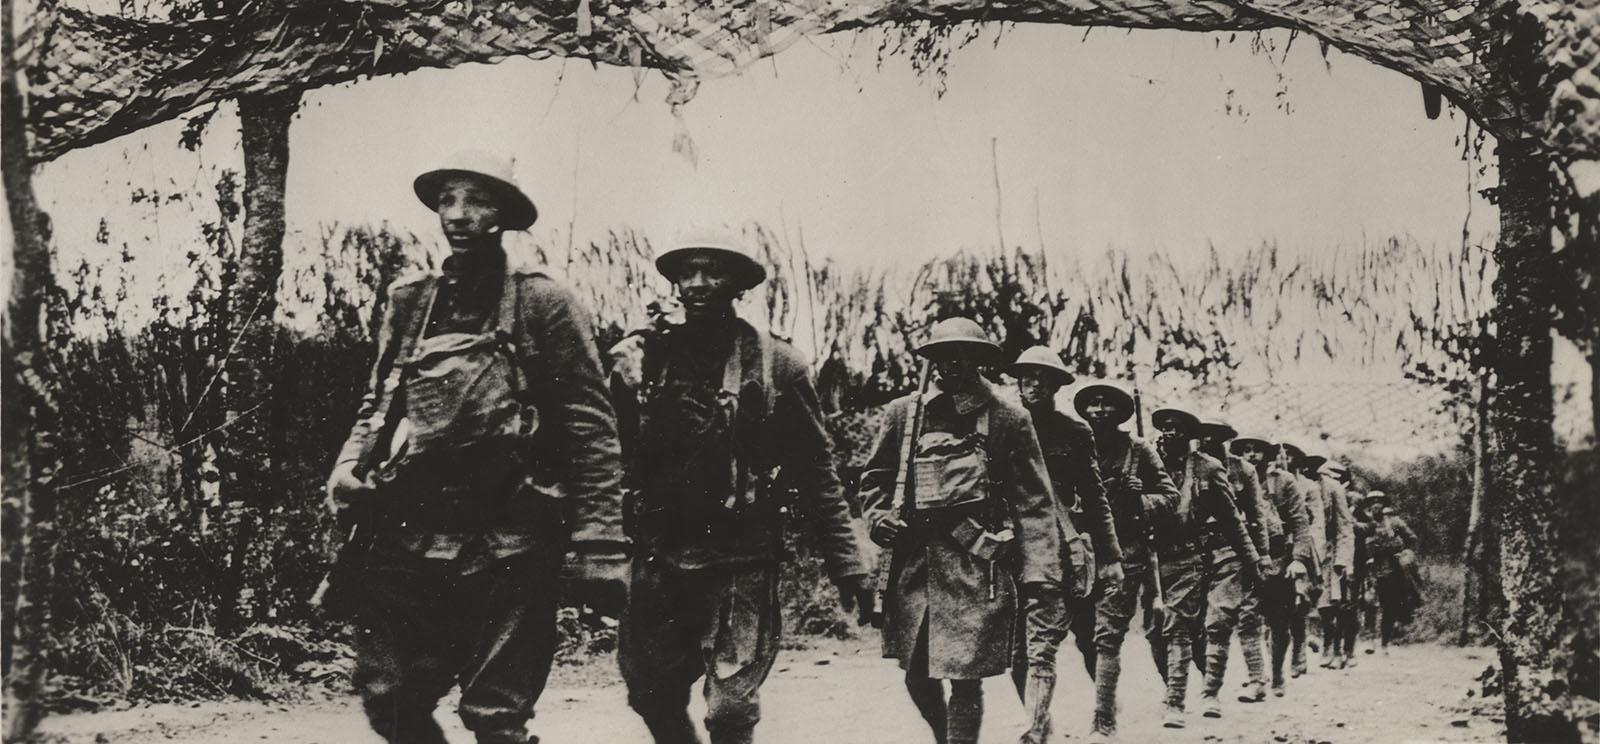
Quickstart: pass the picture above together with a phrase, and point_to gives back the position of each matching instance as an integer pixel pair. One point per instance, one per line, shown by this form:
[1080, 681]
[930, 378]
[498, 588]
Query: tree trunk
[251, 479]
[28, 419]
[1472, 555]
[1534, 651]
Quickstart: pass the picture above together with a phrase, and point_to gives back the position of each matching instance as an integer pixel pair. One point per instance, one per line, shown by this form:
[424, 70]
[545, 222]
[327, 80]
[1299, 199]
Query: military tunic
[961, 606]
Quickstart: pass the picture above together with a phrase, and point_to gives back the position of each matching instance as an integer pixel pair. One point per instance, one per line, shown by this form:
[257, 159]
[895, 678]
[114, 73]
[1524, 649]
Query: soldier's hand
[1265, 566]
[1297, 570]
[344, 487]
[1112, 575]
[1133, 484]
[887, 530]
[857, 594]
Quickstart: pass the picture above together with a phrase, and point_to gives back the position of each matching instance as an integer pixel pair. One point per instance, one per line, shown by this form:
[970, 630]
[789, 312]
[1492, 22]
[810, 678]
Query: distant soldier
[1336, 575]
[723, 417]
[1308, 590]
[956, 488]
[484, 449]
[1231, 601]
[1393, 546]
[1069, 457]
[1291, 552]
[1360, 571]
[1205, 521]
[1137, 486]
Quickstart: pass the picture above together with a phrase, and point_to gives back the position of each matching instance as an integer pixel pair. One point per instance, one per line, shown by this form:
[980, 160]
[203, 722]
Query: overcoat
[966, 604]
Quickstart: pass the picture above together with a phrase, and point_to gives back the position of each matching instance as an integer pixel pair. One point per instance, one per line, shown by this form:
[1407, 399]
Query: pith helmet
[725, 244]
[517, 211]
[959, 334]
[1118, 397]
[1218, 429]
[1185, 421]
[1042, 359]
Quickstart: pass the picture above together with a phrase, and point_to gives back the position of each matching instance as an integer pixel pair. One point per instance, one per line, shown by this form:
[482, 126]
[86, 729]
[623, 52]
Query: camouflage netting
[1526, 71]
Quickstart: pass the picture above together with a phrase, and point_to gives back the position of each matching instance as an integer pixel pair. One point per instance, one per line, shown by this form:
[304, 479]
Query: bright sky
[1132, 140]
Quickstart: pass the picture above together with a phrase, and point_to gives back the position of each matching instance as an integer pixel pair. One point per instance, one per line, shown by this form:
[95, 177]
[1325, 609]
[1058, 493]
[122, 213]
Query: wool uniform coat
[966, 605]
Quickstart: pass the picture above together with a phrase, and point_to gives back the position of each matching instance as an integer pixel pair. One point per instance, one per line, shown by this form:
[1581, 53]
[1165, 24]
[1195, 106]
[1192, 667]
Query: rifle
[1158, 604]
[902, 483]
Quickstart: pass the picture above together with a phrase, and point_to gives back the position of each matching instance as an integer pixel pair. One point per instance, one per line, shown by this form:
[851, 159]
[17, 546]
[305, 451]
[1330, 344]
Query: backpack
[461, 391]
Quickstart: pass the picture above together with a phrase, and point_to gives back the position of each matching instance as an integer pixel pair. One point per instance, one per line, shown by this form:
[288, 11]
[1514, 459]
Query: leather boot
[671, 727]
[1040, 689]
[733, 735]
[1107, 668]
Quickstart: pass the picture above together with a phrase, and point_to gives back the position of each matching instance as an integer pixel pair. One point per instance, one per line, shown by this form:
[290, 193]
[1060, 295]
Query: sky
[1129, 140]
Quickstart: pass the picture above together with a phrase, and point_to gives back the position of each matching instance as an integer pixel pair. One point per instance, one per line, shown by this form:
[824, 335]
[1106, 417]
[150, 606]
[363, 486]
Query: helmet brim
[746, 270]
[517, 211]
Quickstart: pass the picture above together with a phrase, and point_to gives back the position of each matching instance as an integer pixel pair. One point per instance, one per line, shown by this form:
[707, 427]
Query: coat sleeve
[1091, 492]
[1160, 493]
[1408, 539]
[1292, 510]
[362, 435]
[877, 477]
[1032, 505]
[1220, 501]
[1250, 503]
[807, 451]
[1343, 548]
[576, 407]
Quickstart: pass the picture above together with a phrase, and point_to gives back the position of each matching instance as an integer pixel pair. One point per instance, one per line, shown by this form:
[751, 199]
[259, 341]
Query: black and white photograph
[793, 371]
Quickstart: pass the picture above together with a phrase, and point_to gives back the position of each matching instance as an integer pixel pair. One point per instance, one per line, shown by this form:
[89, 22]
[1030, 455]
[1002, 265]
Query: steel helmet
[1042, 359]
[725, 244]
[959, 334]
[1187, 422]
[1218, 429]
[1119, 398]
[517, 211]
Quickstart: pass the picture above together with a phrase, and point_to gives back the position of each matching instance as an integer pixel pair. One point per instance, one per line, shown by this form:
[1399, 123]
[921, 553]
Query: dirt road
[842, 693]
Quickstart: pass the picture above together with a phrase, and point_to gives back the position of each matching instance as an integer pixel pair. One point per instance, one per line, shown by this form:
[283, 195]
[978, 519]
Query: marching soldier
[1290, 548]
[956, 488]
[472, 492]
[1069, 458]
[1360, 592]
[1339, 554]
[723, 417]
[1392, 545]
[1205, 520]
[1230, 602]
[1309, 590]
[1137, 485]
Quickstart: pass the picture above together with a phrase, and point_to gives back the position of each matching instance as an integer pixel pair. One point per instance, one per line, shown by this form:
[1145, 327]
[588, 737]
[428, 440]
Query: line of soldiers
[491, 455]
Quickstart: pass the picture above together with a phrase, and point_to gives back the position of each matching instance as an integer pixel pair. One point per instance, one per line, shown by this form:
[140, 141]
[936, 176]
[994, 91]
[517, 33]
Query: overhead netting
[1523, 69]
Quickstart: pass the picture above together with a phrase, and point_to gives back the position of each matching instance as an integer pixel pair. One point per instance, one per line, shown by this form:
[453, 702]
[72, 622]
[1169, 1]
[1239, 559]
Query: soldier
[1339, 537]
[474, 491]
[957, 488]
[1230, 600]
[1290, 548]
[723, 418]
[1360, 592]
[1309, 589]
[1204, 521]
[1137, 485]
[1392, 545]
[1069, 458]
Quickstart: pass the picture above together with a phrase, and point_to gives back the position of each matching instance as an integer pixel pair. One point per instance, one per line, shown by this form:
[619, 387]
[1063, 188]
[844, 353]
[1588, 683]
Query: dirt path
[842, 693]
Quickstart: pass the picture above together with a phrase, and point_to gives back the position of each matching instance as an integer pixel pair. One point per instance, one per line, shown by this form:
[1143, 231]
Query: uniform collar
[966, 402]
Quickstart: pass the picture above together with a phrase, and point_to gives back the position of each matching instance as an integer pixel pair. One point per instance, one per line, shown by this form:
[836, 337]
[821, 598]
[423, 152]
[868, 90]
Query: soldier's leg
[1223, 599]
[740, 651]
[1297, 637]
[1081, 623]
[965, 716]
[1154, 631]
[1042, 627]
[1350, 624]
[508, 624]
[1113, 613]
[658, 647]
[927, 693]
[1181, 580]
[1250, 640]
[1278, 602]
[404, 650]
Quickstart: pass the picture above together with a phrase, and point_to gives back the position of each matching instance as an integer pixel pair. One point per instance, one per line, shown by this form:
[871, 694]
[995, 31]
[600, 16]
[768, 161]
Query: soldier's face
[956, 371]
[469, 213]
[1036, 389]
[1100, 410]
[1174, 438]
[1253, 455]
[706, 286]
